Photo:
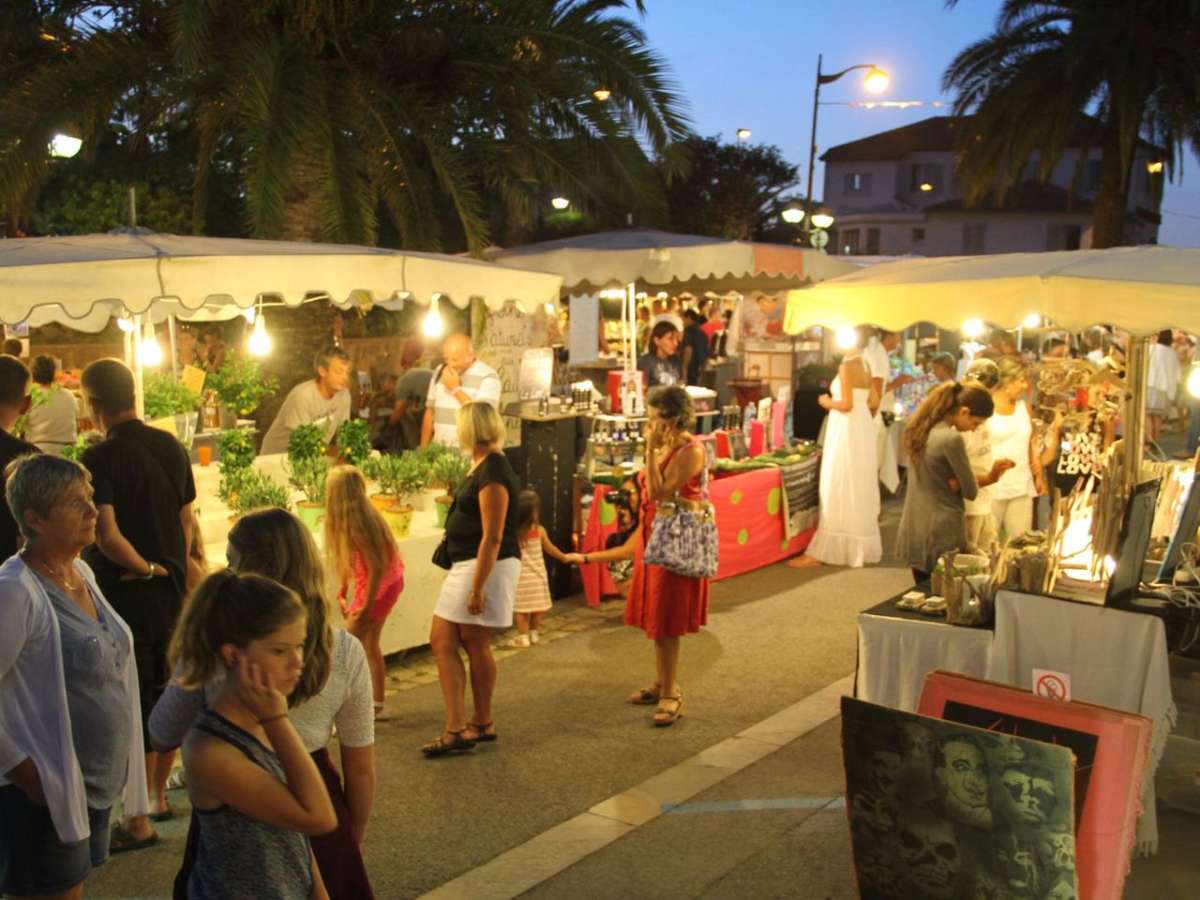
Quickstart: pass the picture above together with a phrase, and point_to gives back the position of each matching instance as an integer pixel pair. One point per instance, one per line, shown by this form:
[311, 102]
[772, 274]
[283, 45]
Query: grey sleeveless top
[238, 857]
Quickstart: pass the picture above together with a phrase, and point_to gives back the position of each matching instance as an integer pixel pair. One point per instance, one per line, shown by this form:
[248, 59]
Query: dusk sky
[752, 65]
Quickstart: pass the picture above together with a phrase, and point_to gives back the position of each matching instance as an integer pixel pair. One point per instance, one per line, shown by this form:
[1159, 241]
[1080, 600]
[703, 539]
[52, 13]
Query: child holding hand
[533, 585]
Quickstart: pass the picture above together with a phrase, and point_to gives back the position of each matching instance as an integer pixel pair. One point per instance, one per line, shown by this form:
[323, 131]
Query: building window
[872, 242]
[1063, 237]
[1091, 177]
[857, 183]
[918, 235]
[925, 178]
[974, 238]
[849, 241]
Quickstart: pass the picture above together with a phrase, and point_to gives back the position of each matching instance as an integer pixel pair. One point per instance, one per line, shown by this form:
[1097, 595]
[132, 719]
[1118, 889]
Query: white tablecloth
[894, 655]
[1115, 658]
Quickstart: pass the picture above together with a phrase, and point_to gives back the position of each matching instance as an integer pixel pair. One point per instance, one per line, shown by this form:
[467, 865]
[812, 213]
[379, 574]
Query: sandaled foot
[669, 709]
[646, 696]
[803, 562]
[482, 732]
[122, 840]
[381, 714]
[448, 742]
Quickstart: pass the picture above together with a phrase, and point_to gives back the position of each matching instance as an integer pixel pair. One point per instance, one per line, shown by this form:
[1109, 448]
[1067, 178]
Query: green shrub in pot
[448, 470]
[236, 449]
[163, 396]
[250, 489]
[240, 384]
[353, 441]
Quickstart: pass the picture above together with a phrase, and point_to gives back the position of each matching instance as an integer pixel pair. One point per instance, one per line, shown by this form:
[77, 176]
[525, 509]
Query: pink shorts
[388, 595]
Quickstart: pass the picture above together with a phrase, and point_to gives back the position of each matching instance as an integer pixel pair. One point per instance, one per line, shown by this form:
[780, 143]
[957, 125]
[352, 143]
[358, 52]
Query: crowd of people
[675, 343]
[119, 650]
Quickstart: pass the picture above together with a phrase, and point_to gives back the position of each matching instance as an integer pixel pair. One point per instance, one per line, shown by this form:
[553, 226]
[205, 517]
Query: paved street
[758, 815]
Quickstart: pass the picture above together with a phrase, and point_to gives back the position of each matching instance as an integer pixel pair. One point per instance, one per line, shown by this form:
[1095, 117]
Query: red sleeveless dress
[660, 602]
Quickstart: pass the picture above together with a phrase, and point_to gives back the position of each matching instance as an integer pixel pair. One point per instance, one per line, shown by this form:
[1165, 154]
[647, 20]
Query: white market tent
[661, 261]
[1141, 290]
[83, 281]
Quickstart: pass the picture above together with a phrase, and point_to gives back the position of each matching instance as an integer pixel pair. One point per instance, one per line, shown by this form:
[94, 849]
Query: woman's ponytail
[939, 403]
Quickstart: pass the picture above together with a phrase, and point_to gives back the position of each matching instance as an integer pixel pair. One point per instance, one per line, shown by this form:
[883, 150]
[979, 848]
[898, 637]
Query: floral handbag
[683, 540]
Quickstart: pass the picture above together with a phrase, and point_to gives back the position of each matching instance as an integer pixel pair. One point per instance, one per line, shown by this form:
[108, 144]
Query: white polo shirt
[480, 382]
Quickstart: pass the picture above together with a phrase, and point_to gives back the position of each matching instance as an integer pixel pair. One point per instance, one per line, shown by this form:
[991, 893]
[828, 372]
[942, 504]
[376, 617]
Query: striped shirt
[480, 382]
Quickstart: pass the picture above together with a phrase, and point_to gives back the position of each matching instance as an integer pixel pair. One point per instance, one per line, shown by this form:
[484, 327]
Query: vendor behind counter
[324, 401]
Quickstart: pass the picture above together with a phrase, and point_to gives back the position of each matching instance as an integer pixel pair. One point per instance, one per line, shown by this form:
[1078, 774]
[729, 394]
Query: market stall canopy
[85, 280]
[677, 263]
[1138, 289]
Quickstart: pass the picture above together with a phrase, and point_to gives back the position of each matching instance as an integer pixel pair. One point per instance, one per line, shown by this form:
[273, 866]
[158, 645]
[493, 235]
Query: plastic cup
[204, 454]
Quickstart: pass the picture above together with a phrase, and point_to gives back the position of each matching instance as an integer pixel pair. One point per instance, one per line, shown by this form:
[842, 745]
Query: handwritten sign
[501, 338]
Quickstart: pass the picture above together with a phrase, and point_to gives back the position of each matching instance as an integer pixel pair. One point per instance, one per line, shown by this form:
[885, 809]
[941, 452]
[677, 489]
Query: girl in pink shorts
[360, 545]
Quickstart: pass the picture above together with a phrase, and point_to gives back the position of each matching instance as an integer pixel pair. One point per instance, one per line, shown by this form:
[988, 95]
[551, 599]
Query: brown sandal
[646, 696]
[440, 746]
[664, 717]
[482, 735]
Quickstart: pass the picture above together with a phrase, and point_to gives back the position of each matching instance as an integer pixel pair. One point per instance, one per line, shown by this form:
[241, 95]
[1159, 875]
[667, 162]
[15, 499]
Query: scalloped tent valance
[661, 261]
[84, 281]
[1141, 290]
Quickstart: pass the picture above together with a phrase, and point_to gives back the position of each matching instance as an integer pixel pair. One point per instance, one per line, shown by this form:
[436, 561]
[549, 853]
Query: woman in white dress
[848, 529]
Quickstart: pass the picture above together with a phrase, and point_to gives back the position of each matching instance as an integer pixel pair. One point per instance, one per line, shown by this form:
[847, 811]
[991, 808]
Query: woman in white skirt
[477, 595]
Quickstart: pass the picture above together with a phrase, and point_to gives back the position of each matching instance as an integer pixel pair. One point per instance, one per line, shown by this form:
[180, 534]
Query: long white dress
[848, 530]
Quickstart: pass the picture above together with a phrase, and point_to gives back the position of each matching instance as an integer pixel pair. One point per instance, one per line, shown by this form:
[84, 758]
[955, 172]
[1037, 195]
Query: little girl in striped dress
[533, 586]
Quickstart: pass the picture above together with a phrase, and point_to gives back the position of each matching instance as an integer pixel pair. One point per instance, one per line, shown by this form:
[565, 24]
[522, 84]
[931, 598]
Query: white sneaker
[533, 637]
[521, 641]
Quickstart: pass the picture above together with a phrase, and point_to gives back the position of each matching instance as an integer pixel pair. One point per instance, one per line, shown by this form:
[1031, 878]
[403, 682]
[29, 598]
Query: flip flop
[121, 841]
[163, 815]
[482, 735]
[646, 697]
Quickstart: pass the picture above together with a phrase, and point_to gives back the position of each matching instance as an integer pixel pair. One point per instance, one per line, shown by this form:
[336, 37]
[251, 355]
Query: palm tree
[1134, 63]
[336, 114]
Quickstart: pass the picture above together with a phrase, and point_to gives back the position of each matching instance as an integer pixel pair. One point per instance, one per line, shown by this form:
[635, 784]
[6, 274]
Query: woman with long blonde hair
[939, 474]
[360, 546]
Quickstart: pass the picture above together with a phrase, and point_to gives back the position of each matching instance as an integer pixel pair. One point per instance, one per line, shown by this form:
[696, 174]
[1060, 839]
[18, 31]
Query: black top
[660, 371]
[693, 336]
[10, 449]
[145, 475]
[464, 527]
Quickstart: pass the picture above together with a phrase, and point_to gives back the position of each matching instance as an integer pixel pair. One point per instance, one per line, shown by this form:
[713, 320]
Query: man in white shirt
[877, 357]
[324, 401]
[461, 379]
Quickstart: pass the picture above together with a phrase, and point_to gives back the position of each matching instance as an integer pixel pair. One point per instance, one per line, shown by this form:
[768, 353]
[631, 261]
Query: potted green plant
[400, 477]
[448, 470]
[353, 441]
[246, 490]
[236, 449]
[164, 397]
[241, 386]
[307, 467]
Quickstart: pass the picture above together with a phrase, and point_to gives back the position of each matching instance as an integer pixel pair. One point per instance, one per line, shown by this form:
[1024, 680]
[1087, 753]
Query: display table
[408, 625]
[750, 524]
[1116, 659]
[896, 648]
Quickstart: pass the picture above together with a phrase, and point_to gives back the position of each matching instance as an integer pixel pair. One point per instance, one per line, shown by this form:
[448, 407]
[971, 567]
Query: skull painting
[885, 766]
[1062, 889]
[1017, 862]
[1057, 850]
[1028, 797]
[930, 854]
[874, 812]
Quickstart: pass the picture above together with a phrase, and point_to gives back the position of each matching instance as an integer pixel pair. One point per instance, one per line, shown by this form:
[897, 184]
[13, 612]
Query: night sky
[752, 64]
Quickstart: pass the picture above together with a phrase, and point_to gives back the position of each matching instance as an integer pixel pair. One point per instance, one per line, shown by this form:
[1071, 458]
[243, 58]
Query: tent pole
[174, 355]
[139, 394]
[1135, 411]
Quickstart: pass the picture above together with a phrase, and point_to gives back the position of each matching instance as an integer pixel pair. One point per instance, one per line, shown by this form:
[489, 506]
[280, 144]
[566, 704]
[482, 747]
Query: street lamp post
[876, 81]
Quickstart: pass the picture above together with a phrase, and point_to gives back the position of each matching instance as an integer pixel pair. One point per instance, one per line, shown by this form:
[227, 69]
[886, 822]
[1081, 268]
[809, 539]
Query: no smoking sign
[1052, 685]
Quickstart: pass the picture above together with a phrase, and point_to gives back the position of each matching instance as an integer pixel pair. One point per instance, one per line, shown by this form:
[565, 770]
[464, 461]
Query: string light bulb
[973, 329]
[260, 341]
[1033, 320]
[846, 338]
[433, 326]
[150, 351]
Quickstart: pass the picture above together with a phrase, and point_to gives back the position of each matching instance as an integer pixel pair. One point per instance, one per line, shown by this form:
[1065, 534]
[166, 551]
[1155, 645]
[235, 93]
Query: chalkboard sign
[501, 337]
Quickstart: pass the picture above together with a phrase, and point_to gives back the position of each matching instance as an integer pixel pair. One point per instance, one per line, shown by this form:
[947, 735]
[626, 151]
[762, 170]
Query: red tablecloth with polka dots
[750, 522]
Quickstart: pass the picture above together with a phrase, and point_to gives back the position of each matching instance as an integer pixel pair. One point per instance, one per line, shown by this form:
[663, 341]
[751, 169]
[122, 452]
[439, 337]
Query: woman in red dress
[664, 605]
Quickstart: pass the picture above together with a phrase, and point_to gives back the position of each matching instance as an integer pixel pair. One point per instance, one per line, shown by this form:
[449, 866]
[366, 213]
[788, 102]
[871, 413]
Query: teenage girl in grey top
[939, 474]
[256, 791]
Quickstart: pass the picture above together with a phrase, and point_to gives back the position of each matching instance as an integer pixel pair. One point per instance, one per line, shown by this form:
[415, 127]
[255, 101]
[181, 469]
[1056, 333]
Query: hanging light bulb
[433, 326]
[549, 308]
[1033, 320]
[126, 324]
[150, 351]
[249, 314]
[260, 342]
[973, 329]
[846, 338]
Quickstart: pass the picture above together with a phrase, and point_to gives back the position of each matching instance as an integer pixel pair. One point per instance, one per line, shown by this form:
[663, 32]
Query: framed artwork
[931, 815]
[1111, 748]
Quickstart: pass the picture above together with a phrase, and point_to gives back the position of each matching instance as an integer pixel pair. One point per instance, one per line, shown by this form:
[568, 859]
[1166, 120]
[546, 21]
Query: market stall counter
[408, 625]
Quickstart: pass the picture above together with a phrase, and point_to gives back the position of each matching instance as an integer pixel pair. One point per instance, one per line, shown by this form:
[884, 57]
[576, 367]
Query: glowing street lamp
[875, 82]
[64, 146]
[743, 134]
[793, 215]
[821, 220]
[560, 203]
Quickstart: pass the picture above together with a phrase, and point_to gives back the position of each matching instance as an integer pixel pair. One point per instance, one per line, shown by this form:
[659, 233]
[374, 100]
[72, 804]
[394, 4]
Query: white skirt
[498, 593]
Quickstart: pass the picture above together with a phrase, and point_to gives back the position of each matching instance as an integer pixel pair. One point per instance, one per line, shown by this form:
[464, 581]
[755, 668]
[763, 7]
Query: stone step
[1177, 782]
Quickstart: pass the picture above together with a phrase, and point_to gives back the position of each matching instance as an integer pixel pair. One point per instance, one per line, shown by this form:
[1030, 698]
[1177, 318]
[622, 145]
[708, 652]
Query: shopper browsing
[256, 790]
[1012, 437]
[661, 363]
[334, 691]
[361, 550]
[461, 379]
[51, 420]
[533, 585]
[940, 475]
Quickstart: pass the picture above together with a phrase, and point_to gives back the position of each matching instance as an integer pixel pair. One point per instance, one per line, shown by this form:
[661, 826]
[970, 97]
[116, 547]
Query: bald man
[461, 379]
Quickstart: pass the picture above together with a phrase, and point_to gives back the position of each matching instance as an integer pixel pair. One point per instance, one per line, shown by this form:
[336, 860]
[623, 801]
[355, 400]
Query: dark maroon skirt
[338, 856]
